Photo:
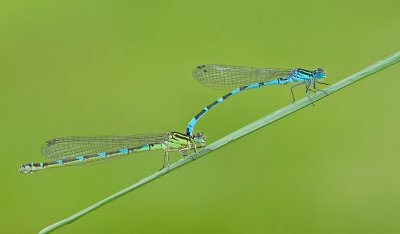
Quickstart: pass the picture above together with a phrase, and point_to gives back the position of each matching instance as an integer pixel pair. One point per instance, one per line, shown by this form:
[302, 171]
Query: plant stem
[378, 66]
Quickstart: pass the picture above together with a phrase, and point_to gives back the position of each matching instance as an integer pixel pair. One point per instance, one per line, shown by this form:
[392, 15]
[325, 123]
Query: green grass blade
[289, 109]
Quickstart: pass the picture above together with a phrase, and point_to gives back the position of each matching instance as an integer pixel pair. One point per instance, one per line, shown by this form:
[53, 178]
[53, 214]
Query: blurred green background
[78, 68]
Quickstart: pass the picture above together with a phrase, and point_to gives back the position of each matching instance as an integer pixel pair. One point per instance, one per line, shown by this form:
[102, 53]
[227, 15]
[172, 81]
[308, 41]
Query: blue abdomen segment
[87, 159]
[193, 122]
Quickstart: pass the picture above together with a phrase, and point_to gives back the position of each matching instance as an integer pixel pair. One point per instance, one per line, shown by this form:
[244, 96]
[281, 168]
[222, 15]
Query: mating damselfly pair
[71, 151]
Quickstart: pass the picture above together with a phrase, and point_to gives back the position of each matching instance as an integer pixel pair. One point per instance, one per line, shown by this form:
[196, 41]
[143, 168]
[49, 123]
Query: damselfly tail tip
[26, 168]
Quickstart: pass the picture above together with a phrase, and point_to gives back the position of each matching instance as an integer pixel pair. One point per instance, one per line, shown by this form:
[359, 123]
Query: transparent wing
[219, 76]
[71, 147]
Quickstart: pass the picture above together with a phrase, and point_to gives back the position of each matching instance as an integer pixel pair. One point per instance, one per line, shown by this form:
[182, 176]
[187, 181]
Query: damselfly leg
[308, 88]
[291, 89]
[315, 81]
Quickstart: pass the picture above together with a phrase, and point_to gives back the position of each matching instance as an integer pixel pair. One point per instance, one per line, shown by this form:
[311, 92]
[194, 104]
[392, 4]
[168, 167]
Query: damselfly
[71, 151]
[229, 76]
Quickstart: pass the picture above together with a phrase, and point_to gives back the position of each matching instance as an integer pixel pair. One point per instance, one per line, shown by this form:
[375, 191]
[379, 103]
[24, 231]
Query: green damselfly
[71, 151]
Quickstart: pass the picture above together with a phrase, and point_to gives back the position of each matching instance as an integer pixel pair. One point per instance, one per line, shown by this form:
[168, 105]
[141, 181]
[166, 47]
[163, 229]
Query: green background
[78, 68]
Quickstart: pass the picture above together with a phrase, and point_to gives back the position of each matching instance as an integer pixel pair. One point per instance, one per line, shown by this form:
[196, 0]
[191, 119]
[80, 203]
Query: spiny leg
[194, 146]
[183, 152]
[166, 157]
[321, 83]
[315, 81]
[291, 89]
[308, 88]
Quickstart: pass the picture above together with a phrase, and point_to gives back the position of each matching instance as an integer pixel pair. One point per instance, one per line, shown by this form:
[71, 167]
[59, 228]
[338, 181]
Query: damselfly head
[319, 73]
[199, 138]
